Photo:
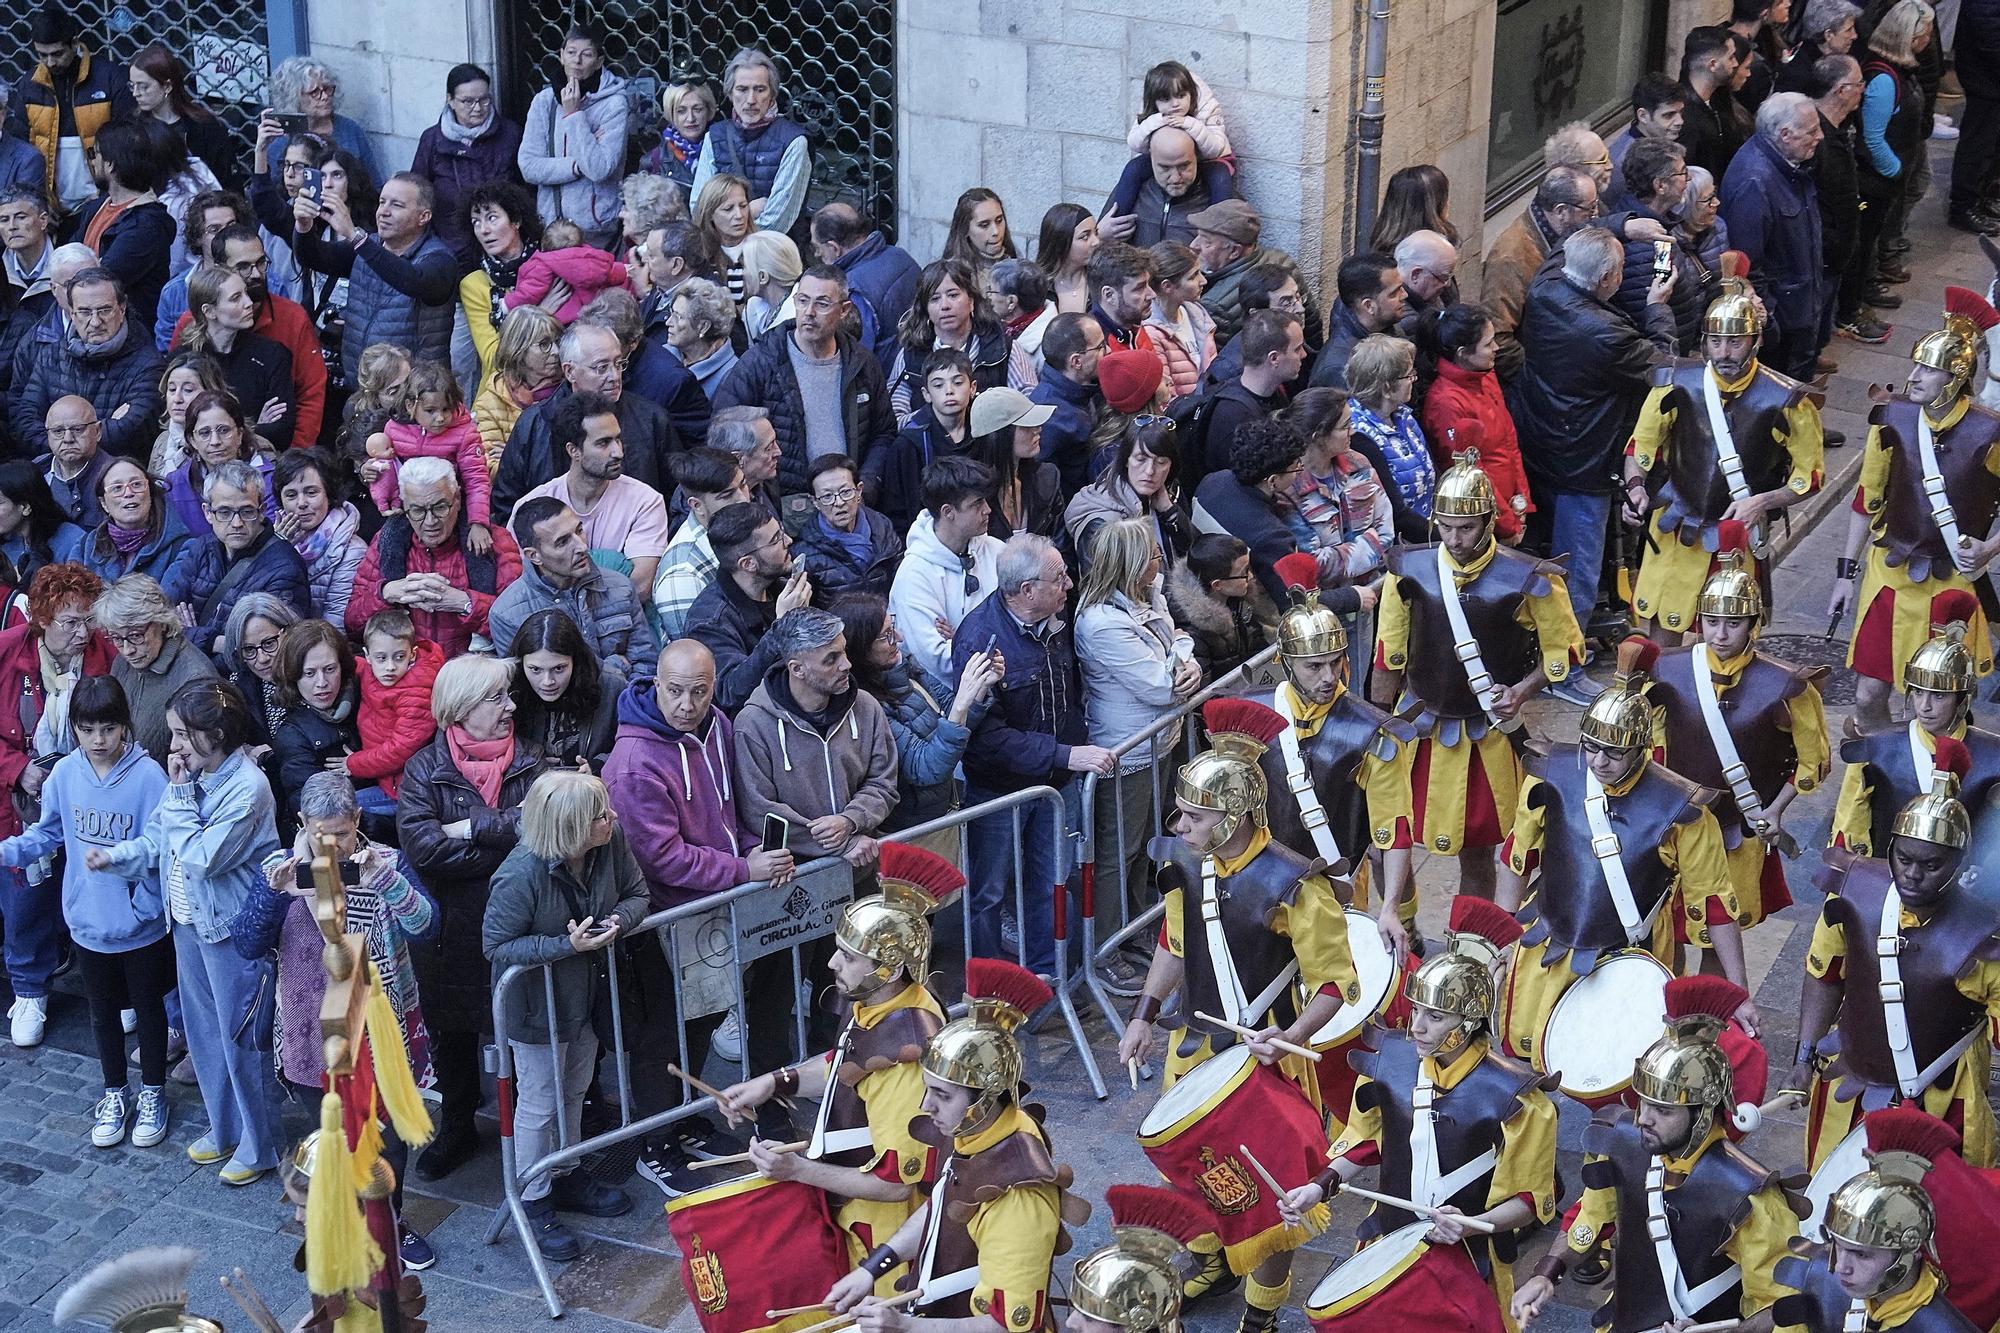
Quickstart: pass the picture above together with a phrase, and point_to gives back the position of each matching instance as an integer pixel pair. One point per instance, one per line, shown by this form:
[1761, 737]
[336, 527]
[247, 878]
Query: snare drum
[726, 1234]
[1428, 1285]
[1605, 1022]
[1848, 1160]
[1194, 1133]
[1377, 971]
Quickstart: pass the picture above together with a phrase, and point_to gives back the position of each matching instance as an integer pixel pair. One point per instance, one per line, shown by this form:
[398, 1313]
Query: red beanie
[1129, 379]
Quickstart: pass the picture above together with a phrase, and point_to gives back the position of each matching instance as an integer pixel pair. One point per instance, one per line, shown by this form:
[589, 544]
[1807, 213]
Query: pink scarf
[484, 763]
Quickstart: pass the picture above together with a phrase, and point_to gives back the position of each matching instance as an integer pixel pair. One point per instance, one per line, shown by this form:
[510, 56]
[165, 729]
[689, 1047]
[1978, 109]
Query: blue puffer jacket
[882, 283]
[275, 568]
[408, 299]
[168, 557]
[1066, 434]
[929, 745]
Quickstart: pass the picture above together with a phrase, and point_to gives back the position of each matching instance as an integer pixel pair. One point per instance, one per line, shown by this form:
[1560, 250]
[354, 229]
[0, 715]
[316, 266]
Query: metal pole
[1374, 84]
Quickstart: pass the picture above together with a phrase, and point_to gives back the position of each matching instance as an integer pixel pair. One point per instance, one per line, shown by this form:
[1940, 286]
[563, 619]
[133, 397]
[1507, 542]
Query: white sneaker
[129, 1020]
[30, 1018]
[109, 1129]
[728, 1039]
[1942, 129]
[151, 1124]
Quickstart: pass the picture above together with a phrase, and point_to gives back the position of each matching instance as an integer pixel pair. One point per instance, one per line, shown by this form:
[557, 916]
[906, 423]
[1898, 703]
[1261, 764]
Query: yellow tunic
[1670, 573]
[1693, 852]
[892, 1098]
[1527, 1163]
[1912, 614]
[1763, 1238]
[1384, 785]
[1441, 802]
[1894, 1311]
[1016, 1235]
[1853, 815]
[1829, 1120]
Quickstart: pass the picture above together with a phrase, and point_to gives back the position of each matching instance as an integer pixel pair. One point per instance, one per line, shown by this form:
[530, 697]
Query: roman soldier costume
[1459, 634]
[1913, 970]
[1747, 728]
[1134, 1283]
[1624, 865]
[145, 1291]
[1965, 1200]
[1930, 482]
[1701, 1226]
[1704, 443]
[1890, 767]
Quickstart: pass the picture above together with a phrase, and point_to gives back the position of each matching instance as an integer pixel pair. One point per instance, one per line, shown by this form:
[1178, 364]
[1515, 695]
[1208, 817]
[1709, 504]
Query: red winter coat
[1469, 404]
[395, 720]
[21, 692]
[451, 632]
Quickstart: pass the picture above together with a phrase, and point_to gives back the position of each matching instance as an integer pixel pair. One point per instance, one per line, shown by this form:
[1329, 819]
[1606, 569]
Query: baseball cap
[1001, 406]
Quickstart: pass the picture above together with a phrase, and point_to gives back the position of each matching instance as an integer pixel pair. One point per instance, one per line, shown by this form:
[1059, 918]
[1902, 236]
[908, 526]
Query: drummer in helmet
[1888, 767]
[1965, 1200]
[1747, 725]
[1466, 632]
[1333, 774]
[1909, 959]
[1627, 852]
[980, 1248]
[1700, 1223]
[1133, 1285]
[1928, 496]
[1725, 438]
[869, 1087]
[1455, 1125]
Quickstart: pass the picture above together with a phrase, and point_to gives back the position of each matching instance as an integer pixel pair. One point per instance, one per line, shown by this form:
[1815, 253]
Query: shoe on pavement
[108, 1129]
[1942, 129]
[661, 1164]
[129, 1020]
[150, 1124]
[1882, 299]
[556, 1241]
[415, 1252]
[1863, 329]
[1894, 275]
[1577, 689]
[577, 1192]
[29, 1017]
[205, 1151]
[1979, 224]
[239, 1175]
[1832, 439]
[728, 1039]
[1826, 365]
[452, 1148]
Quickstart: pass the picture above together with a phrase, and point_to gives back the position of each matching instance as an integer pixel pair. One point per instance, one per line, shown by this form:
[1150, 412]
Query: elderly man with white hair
[1771, 206]
[420, 562]
[757, 143]
[243, 555]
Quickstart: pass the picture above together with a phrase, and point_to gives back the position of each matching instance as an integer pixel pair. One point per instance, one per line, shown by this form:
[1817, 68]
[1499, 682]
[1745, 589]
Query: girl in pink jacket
[433, 423]
[587, 270]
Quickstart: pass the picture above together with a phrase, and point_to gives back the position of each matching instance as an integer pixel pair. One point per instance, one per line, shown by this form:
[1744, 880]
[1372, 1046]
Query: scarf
[855, 545]
[449, 127]
[756, 126]
[484, 763]
[504, 273]
[127, 541]
[74, 344]
[679, 146]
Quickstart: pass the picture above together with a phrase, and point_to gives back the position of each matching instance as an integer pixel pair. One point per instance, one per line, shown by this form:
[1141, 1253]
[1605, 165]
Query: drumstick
[1250, 1034]
[734, 1158]
[841, 1320]
[1276, 1189]
[250, 1301]
[1469, 1223]
[693, 1082]
[791, 1310]
[1132, 1068]
[1716, 1326]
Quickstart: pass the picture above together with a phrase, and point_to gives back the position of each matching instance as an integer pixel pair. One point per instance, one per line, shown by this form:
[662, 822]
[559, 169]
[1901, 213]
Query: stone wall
[392, 57]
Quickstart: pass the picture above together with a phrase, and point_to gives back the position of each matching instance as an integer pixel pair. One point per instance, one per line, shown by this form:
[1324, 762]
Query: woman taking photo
[218, 433]
[159, 85]
[141, 532]
[978, 236]
[573, 145]
[154, 658]
[1183, 330]
[33, 532]
[948, 311]
[250, 641]
[561, 897]
[722, 214]
[1381, 374]
[458, 815]
[1466, 410]
[204, 841]
[315, 516]
[687, 110]
[563, 701]
[472, 145]
[315, 683]
[1068, 240]
[303, 86]
[258, 370]
[527, 367]
[507, 232]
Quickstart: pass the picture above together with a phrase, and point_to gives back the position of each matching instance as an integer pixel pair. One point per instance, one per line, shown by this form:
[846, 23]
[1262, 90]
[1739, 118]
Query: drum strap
[1427, 1187]
[1942, 513]
[1921, 762]
[824, 1139]
[933, 1285]
[1910, 1080]
[1857, 1318]
[1484, 687]
[1605, 847]
[1684, 1302]
[1726, 456]
[1734, 772]
[1299, 778]
[1228, 984]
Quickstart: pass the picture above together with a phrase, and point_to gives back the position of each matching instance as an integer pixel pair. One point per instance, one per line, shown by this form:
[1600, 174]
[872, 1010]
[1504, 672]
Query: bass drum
[1848, 1160]
[1377, 971]
[1404, 1282]
[1605, 1022]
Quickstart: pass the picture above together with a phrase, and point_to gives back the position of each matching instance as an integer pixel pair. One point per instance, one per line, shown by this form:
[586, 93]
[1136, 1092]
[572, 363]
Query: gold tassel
[340, 1254]
[394, 1083]
[358, 1318]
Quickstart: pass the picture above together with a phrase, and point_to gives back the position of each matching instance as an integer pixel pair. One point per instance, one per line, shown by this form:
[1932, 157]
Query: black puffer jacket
[303, 741]
[1688, 300]
[532, 457]
[764, 378]
[1838, 177]
[122, 384]
[17, 329]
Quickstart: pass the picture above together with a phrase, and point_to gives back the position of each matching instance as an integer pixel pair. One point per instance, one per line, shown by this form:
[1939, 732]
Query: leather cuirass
[1018, 1161]
[1819, 1304]
[1352, 730]
[1433, 674]
[1249, 900]
[1689, 482]
[1754, 708]
[1908, 533]
[1892, 778]
[898, 1038]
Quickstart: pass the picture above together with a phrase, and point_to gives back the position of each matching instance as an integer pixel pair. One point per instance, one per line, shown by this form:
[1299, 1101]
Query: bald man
[1428, 262]
[74, 461]
[881, 278]
[1162, 190]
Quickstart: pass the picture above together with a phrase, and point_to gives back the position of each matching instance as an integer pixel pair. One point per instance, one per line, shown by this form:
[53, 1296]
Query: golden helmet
[1942, 662]
[1938, 816]
[1226, 775]
[1954, 349]
[1886, 1208]
[979, 1051]
[296, 1170]
[1134, 1282]
[1733, 315]
[1458, 979]
[145, 1291]
[1688, 1066]
[892, 930]
[1731, 590]
[1620, 717]
[1464, 491]
[1307, 629]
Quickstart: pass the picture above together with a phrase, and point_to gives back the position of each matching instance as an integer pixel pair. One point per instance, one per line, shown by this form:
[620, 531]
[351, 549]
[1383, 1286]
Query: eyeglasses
[839, 497]
[234, 513]
[75, 432]
[215, 434]
[246, 267]
[296, 168]
[430, 513]
[815, 305]
[617, 367]
[70, 624]
[473, 103]
[88, 312]
[320, 90]
[1145, 419]
[263, 647]
[123, 489]
[131, 638]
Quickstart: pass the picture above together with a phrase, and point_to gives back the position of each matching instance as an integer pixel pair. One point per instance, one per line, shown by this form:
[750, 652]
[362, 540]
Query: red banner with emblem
[728, 1236]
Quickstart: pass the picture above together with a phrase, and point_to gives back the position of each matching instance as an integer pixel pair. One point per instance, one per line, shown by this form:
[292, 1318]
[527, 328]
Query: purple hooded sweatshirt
[675, 794]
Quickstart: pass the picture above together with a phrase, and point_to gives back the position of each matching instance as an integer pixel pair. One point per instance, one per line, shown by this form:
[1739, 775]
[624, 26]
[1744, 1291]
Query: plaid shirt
[687, 566]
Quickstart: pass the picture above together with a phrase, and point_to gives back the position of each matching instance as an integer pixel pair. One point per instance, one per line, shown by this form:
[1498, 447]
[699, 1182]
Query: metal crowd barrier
[730, 905]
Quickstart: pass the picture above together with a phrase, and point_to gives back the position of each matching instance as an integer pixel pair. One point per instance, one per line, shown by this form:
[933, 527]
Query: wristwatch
[360, 238]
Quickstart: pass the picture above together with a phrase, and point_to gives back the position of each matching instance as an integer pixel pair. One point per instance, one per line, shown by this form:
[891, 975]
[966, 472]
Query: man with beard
[239, 248]
[1721, 440]
[557, 573]
[619, 513]
[755, 584]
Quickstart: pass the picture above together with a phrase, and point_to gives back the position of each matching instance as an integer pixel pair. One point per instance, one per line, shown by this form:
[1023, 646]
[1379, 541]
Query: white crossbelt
[1484, 687]
[1299, 778]
[1942, 513]
[824, 1139]
[1857, 1318]
[1685, 1302]
[1604, 846]
[1734, 772]
[936, 1286]
[1726, 456]
[1426, 1186]
[1910, 1080]
[1228, 985]
[1922, 761]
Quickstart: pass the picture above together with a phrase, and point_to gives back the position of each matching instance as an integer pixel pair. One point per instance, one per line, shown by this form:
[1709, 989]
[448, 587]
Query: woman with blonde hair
[257, 370]
[722, 213]
[687, 110]
[527, 367]
[1890, 156]
[771, 266]
[1381, 374]
[565, 893]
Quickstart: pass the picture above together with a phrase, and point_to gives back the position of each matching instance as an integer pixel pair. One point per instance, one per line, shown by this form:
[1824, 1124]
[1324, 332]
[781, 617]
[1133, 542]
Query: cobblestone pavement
[65, 1206]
